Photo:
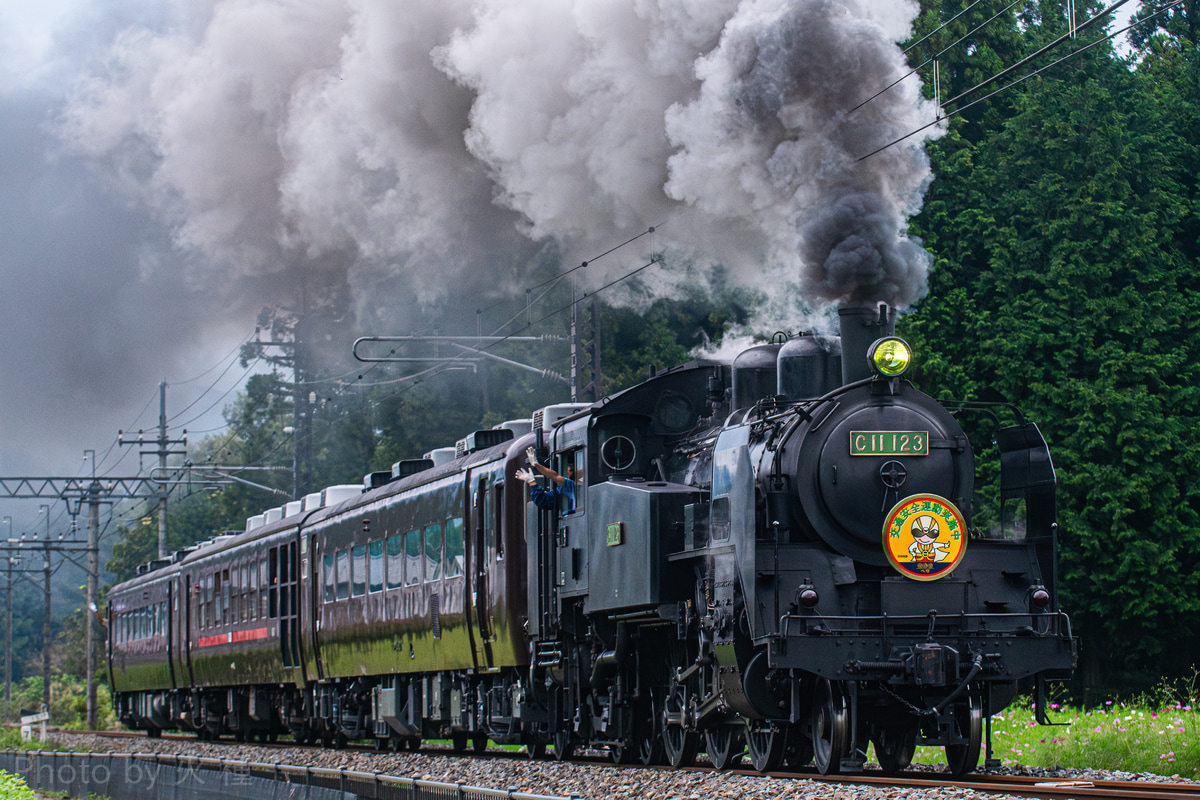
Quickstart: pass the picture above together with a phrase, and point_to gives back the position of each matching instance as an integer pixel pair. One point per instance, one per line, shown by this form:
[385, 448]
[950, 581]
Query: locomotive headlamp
[890, 357]
[1040, 597]
[807, 595]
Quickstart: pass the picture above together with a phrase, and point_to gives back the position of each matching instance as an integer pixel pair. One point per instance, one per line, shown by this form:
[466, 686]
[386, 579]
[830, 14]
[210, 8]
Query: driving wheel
[766, 745]
[968, 722]
[830, 727]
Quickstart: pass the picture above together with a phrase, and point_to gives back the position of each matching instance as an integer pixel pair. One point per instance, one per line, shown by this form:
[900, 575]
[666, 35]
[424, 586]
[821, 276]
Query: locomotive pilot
[925, 547]
[561, 492]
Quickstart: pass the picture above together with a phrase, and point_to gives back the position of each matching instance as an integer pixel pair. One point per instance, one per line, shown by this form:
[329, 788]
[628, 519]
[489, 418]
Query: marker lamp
[890, 357]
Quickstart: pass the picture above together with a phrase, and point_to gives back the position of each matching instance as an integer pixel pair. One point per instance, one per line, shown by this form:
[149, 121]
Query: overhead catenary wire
[518, 331]
[939, 53]
[1023, 78]
[223, 395]
[1070, 34]
[531, 323]
[943, 26]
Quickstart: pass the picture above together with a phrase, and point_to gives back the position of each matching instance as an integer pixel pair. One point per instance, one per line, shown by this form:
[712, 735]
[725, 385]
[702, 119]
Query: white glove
[526, 475]
[531, 454]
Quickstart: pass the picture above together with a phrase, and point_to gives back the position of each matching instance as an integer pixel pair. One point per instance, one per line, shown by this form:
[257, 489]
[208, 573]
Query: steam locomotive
[776, 558]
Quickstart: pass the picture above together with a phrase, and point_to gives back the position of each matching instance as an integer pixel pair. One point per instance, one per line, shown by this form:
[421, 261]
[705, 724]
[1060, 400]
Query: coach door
[480, 500]
[184, 629]
[283, 575]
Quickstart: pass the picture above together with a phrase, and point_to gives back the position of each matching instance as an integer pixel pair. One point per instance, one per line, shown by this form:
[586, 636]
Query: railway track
[988, 784]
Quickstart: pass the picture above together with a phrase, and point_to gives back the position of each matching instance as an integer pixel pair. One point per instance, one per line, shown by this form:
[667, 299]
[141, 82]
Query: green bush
[12, 787]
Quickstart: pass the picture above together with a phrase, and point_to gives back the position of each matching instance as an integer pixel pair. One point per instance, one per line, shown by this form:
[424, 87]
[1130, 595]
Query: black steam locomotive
[776, 558]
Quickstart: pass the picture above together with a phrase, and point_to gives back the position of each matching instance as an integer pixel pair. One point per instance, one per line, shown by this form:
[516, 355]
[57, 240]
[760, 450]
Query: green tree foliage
[1164, 18]
[1066, 283]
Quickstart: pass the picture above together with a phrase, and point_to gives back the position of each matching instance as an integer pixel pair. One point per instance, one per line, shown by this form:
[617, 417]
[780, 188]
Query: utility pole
[46, 614]
[585, 353]
[9, 651]
[93, 584]
[164, 449]
[8, 660]
[302, 400]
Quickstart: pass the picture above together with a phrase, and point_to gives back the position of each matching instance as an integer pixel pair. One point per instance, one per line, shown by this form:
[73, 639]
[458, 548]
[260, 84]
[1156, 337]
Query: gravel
[548, 777]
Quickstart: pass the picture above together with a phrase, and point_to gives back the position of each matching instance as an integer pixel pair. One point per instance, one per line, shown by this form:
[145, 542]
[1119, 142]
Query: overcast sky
[170, 167]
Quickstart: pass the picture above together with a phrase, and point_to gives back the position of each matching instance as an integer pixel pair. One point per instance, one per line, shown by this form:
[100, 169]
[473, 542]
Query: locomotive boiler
[783, 558]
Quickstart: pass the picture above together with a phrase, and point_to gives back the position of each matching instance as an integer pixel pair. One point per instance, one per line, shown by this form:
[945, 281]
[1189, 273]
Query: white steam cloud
[426, 151]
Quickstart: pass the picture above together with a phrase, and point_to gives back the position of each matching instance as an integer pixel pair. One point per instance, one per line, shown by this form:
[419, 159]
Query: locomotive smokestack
[861, 327]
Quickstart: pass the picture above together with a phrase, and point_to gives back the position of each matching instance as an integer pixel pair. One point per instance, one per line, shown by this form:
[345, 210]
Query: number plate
[889, 443]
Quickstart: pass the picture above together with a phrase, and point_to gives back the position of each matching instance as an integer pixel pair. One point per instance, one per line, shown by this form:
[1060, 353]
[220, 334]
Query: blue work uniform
[555, 497]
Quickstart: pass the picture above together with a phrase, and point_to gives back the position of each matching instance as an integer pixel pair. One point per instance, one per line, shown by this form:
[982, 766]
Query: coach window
[454, 547]
[198, 594]
[433, 552]
[358, 575]
[219, 588]
[375, 566]
[264, 599]
[343, 574]
[225, 597]
[210, 597]
[235, 594]
[244, 601]
[412, 558]
[252, 597]
[327, 577]
[395, 561]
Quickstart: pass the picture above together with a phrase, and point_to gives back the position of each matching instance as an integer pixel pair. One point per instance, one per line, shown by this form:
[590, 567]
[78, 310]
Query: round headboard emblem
[924, 537]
